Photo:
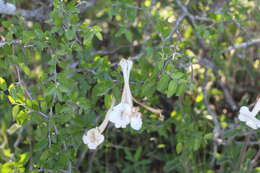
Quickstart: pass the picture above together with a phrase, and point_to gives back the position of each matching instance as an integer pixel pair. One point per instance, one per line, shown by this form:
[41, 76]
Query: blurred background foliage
[197, 60]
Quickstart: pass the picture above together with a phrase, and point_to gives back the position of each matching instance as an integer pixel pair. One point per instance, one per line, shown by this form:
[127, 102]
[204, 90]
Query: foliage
[58, 75]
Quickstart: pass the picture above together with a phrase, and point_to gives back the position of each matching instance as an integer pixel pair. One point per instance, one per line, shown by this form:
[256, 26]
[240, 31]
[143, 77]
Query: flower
[256, 108]
[93, 138]
[249, 117]
[136, 119]
[121, 114]
[7, 8]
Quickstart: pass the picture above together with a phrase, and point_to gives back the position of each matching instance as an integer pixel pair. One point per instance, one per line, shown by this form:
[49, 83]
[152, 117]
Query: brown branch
[242, 45]
[22, 84]
[27, 93]
[175, 28]
[243, 152]
[153, 110]
[255, 159]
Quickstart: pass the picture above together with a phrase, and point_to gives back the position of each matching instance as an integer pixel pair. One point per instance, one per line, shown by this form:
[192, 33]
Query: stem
[103, 125]
[243, 152]
[255, 159]
[153, 110]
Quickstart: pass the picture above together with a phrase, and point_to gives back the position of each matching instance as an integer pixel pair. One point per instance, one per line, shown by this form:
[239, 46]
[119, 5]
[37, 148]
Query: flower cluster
[249, 117]
[122, 114]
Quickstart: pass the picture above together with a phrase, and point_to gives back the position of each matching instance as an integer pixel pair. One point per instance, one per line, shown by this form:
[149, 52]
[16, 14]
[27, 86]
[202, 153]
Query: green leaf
[129, 35]
[138, 153]
[3, 85]
[23, 158]
[172, 88]
[13, 128]
[102, 87]
[208, 136]
[12, 101]
[163, 83]
[108, 100]
[179, 148]
[15, 110]
[181, 89]
[21, 117]
[70, 34]
[99, 36]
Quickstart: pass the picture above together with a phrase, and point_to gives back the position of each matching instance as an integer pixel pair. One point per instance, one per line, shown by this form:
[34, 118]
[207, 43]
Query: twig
[153, 110]
[242, 45]
[22, 84]
[226, 91]
[43, 114]
[19, 138]
[27, 93]
[81, 158]
[255, 159]
[243, 152]
[69, 164]
[193, 22]
[175, 28]
[209, 64]
[39, 14]
[90, 163]
[106, 52]
[217, 129]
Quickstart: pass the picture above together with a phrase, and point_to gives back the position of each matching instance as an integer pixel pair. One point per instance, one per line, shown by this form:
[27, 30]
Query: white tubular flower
[93, 138]
[121, 113]
[7, 8]
[249, 117]
[136, 120]
[256, 108]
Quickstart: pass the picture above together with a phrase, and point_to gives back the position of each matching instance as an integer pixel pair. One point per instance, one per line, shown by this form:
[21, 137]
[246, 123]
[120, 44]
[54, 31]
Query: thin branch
[193, 22]
[39, 14]
[27, 93]
[21, 83]
[217, 129]
[175, 28]
[255, 159]
[2, 43]
[19, 137]
[243, 152]
[209, 64]
[90, 163]
[153, 110]
[242, 45]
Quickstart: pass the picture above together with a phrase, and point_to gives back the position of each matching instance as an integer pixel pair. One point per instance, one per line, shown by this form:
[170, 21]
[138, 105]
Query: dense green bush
[196, 60]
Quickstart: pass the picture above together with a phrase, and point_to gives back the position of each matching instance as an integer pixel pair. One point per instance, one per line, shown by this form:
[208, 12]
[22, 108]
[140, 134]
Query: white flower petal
[92, 146]
[251, 124]
[136, 123]
[84, 138]
[93, 138]
[120, 115]
[256, 108]
[248, 117]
